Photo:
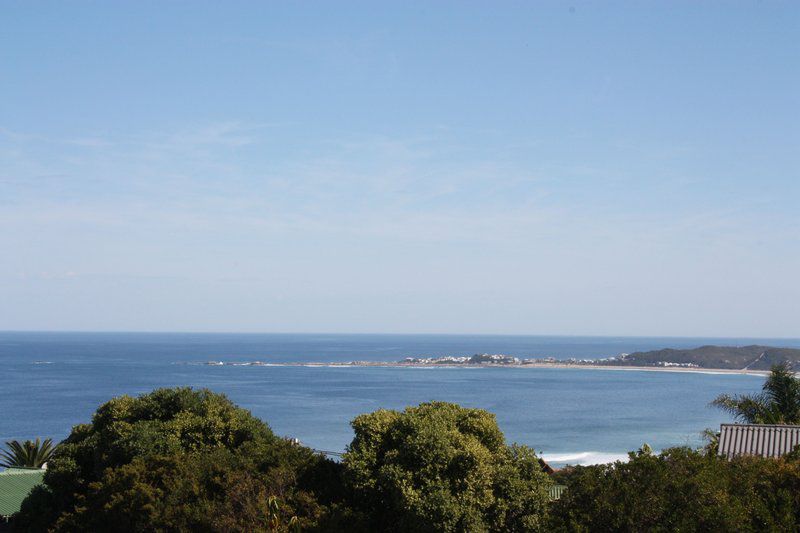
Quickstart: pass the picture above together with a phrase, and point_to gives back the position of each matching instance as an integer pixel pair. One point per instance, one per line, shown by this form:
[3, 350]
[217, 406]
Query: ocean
[52, 381]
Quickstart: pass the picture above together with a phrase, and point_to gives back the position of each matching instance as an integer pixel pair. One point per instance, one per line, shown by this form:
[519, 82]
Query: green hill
[728, 357]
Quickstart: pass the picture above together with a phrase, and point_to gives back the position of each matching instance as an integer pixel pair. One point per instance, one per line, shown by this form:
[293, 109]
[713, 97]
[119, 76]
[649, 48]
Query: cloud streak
[216, 208]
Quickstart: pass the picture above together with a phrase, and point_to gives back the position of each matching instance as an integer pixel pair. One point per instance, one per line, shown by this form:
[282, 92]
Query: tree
[175, 460]
[778, 403]
[28, 454]
[442, 467]
[680, 490]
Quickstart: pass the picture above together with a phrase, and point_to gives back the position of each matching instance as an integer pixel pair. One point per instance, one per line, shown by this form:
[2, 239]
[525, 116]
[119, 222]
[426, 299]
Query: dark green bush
[176, 459]
[441, 467]
[680, 490]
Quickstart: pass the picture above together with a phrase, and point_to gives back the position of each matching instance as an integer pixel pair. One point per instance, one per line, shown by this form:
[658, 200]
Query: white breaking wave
[584, 458]
[751, 373]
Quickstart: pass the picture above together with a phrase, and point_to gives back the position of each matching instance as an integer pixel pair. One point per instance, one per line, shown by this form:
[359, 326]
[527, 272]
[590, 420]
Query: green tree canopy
[442, 467]
[680, 490]
[174, 459]
[28, 454]
[778, 403]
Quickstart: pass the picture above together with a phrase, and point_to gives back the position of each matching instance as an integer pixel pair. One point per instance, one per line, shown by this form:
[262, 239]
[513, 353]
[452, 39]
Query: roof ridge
[16, 470]
[733, 424]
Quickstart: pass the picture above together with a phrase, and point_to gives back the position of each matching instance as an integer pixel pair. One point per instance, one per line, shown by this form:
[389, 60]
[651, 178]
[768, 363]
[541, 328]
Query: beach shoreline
[557, 366]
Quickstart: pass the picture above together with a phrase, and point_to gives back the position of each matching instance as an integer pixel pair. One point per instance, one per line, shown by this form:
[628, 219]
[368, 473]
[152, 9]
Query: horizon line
[384, 333]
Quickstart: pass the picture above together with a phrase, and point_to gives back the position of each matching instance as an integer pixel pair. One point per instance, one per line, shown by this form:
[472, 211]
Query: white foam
[323, 365]
[584, 458]
[753, 373]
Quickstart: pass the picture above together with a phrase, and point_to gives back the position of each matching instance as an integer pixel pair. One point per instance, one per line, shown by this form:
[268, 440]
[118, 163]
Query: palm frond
[783, 391]
[27, 454]
[778, 403]
[753, 409]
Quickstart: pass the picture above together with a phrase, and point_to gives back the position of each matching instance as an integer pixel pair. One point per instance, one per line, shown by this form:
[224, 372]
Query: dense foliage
[778, 403]
[680, 490]
[176, 459]
[28, 454]
[441, 467]
[185, 460]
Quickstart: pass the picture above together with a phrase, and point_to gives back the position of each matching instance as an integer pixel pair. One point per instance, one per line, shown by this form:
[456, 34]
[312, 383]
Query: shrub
[441, 467]
[175, 459]
[680, 490]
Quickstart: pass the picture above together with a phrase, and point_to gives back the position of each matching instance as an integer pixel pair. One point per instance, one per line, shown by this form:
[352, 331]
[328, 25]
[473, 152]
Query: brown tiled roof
[546, 468]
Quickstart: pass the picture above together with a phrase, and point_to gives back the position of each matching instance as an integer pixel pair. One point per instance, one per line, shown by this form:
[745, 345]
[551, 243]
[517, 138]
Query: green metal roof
[15, 485]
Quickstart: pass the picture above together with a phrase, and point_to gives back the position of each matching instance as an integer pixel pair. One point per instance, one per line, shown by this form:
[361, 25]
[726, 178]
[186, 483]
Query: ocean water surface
[52, 381]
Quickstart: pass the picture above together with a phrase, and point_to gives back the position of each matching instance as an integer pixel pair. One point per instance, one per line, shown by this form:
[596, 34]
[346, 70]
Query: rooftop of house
[15, 485]
[764, 440]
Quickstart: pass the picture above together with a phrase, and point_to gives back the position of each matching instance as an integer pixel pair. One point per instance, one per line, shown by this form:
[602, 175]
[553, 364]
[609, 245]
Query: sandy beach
[380, 364]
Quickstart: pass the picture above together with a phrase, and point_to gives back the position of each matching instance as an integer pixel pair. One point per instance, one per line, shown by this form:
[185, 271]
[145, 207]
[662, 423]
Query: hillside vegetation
[734, 357]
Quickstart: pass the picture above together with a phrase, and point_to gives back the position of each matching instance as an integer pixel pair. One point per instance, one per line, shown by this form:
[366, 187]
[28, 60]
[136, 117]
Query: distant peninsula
[705, 357]
[753, 357]
[739, 359]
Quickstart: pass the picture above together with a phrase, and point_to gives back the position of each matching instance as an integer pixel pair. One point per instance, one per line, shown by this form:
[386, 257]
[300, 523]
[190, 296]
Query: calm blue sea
[51, 381]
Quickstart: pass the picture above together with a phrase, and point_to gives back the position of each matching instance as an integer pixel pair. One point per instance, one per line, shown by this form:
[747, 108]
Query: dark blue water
[52, 381]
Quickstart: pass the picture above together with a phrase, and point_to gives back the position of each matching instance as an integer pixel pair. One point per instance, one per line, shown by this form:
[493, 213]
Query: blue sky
[544, 168]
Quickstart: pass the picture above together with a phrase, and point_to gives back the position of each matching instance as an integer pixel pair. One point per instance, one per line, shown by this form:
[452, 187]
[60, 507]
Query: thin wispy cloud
[466, 173]
[363, 185]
